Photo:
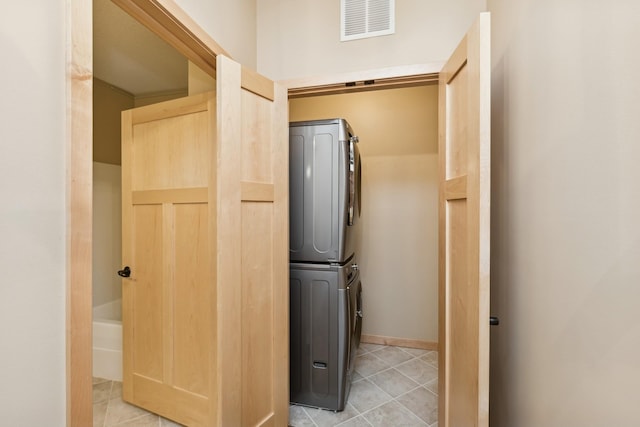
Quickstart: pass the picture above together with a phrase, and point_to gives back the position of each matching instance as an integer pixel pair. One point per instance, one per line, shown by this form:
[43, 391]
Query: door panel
[456, 155]
[169, 301]
[257, 113]
[191, 272]
[257, 313]
[175, 150]
[253, 262]
[147, 320]
[464, 214]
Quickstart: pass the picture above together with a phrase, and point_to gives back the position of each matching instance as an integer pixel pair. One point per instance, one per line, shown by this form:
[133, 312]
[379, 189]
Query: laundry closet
[398, 235]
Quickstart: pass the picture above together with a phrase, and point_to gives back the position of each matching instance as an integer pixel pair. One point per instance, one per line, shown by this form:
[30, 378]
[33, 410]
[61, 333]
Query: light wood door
[464, 231]
[169, 302]
[205, 233]
[253, 243]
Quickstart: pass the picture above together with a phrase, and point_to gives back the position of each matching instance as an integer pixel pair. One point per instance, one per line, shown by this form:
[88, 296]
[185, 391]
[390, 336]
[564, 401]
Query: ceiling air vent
[366, 18]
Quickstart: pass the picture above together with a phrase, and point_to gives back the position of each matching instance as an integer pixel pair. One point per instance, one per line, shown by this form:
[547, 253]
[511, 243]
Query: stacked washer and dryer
[325, 287]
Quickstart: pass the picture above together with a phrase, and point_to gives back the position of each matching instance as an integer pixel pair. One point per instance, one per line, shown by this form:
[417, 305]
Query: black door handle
[494, 321]
[125, 272]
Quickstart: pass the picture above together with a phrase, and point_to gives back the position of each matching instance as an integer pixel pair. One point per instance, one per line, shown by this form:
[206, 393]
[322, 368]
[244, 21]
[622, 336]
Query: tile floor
[393, 386]
[110, 410]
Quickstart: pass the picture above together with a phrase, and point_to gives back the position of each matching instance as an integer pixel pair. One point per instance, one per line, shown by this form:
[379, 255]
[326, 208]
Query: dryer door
[355, 173]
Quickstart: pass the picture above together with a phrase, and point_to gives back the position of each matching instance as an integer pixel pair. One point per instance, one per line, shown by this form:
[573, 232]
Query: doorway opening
[133, 67]
[397, 127]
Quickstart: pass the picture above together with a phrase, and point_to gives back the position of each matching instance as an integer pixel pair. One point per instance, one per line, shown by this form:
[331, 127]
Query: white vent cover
[366, 18]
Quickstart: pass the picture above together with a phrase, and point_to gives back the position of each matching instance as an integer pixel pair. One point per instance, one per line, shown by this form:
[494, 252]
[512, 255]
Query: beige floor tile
[168, 423]
[323, 418]
[101, 392]
[366, 347]
[373, 394]
[358, 421]
[431, 358]
[298, 417]
[149, 420]
[415, 352]
[366, 395]
[99, 413]
[116, 390]
[432, 386]
[393, 414]
[392, 355]
[421, 402]
[369, 364]
[119, 412]
[393, 382]
[419, 371]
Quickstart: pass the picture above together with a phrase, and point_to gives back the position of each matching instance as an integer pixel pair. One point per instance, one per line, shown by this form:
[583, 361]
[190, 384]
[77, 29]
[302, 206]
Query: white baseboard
[107, 364]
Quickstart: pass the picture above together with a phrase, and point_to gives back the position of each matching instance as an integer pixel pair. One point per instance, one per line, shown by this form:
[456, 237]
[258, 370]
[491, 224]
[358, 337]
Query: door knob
[494, 321]
[125, 272]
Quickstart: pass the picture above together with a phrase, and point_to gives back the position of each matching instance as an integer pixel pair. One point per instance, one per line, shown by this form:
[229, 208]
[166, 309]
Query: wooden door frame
[362, 81]
[173, 25]
[370, 80]
[166, 19]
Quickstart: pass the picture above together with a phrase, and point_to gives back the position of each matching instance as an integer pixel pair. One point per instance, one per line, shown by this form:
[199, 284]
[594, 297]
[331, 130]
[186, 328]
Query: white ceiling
[128, 56]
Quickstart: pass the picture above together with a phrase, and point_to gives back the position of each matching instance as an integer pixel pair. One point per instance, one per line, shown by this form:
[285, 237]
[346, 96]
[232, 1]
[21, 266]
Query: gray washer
[325, 333]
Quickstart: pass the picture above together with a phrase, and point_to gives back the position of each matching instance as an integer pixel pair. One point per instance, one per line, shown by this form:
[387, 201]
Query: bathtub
[107, 341]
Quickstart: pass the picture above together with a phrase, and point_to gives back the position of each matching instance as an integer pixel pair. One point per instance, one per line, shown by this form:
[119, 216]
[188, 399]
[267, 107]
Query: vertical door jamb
[79, 199]
[174, 26]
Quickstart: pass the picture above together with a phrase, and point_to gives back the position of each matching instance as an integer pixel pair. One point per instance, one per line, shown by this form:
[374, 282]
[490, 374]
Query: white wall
[298, 38]
[32, 187]
[107, 233]
[32, 214]
[566, 213]
[231, 23]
